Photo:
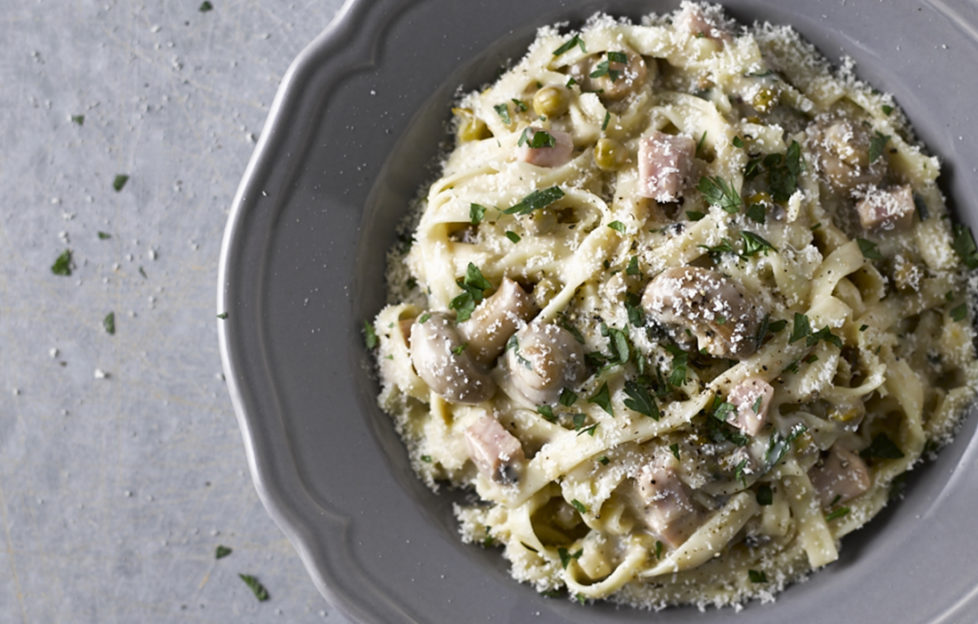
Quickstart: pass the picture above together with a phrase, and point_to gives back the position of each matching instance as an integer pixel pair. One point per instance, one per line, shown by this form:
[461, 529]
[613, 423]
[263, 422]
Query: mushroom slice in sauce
[841, 150]
[886, 209]
[496, 452]
[553, 155]
[610, 78]
[706, 303]
[840, 477]
[664, 164]
[693, 21]
[752, 398]
[665, 502]
[542, 360]
[496, 319]
[442, 360]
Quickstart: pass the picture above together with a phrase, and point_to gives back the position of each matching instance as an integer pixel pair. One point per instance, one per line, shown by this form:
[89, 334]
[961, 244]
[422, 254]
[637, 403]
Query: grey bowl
[350, 137]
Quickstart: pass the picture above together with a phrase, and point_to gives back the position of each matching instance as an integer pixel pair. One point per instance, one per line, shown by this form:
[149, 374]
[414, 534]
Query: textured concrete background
[121, 465]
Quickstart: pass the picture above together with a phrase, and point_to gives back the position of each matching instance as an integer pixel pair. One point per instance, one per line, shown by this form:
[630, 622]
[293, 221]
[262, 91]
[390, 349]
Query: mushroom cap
[543, 360]
[442, 360]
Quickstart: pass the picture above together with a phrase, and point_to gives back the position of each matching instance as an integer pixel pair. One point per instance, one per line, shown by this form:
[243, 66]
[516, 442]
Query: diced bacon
[497, 453]
[840, 477]
[752, 398]
[664, 164]
[558, 154]
[886, 209]
[668, 509]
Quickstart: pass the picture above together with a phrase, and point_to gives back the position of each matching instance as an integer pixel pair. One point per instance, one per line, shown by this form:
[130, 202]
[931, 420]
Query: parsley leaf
[547, 412]
[674, 449]
[566, 557]
[756, 213]
[869, 249]
[369, 335]
[221, 552]
[640, 400]
[476, 213]
[754, 244]
[720, 193]
[119, 181]
[617, 226]
[513, 236]
[632, 268]
[503, 111]
[618, 344]
[835, 514]
[887, 109]
[256, 587]
[108, 323]
[680, 360]
[800, 328]
[602, 398]
[473, 287]
[537, 138]
[877, 145]
[607, 118]
[764, 495]
[756, 576]
[536, 200]
[570, 43]
[695, 215]
[959, 313]
[567, 397]
[205, 6]
[964, 245]
[823, 334]
[78, 119]
[63, 264]
[103, 235]
[779, 445]
[579, 506]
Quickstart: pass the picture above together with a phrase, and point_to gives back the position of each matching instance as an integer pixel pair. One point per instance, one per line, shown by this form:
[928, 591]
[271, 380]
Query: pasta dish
[683, 306]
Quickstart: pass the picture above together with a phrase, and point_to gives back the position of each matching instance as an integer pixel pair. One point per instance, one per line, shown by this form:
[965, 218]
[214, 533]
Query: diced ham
[554, 156]
[693, 21]
[886, 209]
[497, 453]
[752, 398]
[664, 164]
[667, 507]
[840, 477]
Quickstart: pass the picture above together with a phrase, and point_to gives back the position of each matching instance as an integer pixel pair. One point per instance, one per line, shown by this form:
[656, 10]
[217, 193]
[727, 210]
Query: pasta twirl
[682, 305]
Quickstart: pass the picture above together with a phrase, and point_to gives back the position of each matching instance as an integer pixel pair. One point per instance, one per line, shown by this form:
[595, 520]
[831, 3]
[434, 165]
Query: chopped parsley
[699, 145]
[221, 552]
[426, 459]
[63, 264]
[604, 67]
[617, 57]
[567, 397]
[632, 268]
[695, 215]
[547, 412]
[473, 288]
[503, 111]
[680, 361]
[658, 549]
[723, 410]
[108, 323]
[823, 334]
[882, 447]
[757, 576]
[604, 460]
[835, 514]
[756, 213]
[536, 139]
[779, 445]
[607, 118]
[205, 6]
[513, 236]
[519, 104]
[738, 142]
[869, 249]
[256, 587]
[579, 506]
[767, 328]
[78, 119]
[674, 449]
[103, 235]
[887, 109]
[536, 200]
[570, 43]
[459, 348]
[782, 171]
[764, 495]
[566, 557]
[618, 343]
[640, 400]
[424, 317]
[719, 192]
[119, 181]
[754, 244]
[716, 251]
[222, 315]
[877, 145]
[476, 213]
[800, 328]
[964, 245]
[602, 398]
[617, 226]
[960, 312]
[369, 335]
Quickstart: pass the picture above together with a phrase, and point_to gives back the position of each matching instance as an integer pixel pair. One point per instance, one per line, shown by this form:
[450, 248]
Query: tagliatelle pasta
[682, 307]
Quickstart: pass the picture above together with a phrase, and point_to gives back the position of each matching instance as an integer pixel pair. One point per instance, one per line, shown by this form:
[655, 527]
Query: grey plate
[350, 137]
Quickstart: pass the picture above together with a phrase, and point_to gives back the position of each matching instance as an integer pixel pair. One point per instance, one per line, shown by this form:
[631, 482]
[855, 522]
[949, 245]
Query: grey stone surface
[121, 464]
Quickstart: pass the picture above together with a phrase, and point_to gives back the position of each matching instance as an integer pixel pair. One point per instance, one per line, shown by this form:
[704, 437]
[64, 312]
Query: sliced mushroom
[840, 477]
[752, 398]
[664, 165]
[543, 360]
[706, 303]
[693, 21]
[496, 452]
[611, 79]
[841, 150]
[554, 155]
[886, 209]
[496, 319]
[442, 360]
[665, 502]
